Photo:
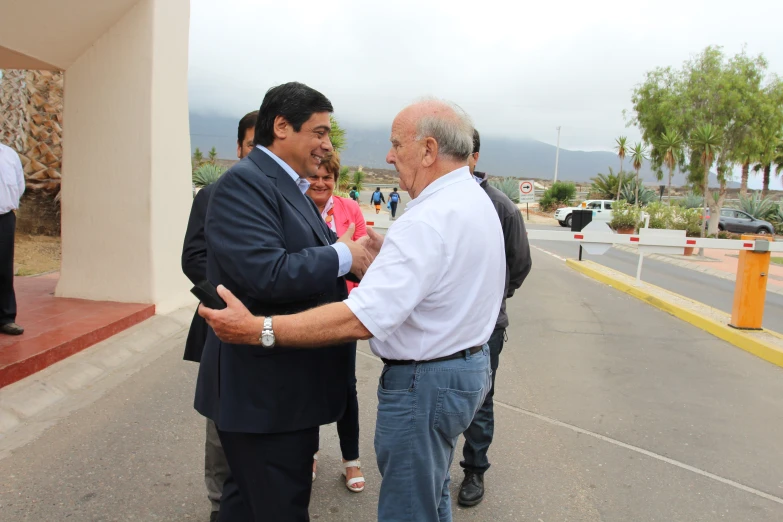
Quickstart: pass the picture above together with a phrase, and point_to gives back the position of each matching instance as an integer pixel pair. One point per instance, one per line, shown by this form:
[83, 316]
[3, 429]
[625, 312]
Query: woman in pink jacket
[339, 213]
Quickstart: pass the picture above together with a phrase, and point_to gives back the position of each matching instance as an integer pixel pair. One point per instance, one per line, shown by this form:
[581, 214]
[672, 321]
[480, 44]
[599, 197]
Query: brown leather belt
[456, 355]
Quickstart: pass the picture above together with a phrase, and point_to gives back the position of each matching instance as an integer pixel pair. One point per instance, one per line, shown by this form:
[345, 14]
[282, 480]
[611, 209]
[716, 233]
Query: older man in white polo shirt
[11, 189]
[428, 302]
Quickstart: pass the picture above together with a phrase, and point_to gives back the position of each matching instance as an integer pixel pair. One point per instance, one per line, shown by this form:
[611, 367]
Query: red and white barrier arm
[633, 239]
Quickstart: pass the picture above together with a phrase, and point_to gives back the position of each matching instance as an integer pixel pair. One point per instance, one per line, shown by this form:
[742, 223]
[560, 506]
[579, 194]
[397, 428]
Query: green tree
[728, 93]
[337, 135]
[671, 145]
[212, 155]
[622, 151]
[706, 140]
[638, 157]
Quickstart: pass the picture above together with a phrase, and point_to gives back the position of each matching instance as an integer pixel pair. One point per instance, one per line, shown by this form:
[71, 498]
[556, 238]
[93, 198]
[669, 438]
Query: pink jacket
[347, 211]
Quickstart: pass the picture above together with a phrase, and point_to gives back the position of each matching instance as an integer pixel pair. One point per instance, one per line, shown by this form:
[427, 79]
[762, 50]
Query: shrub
[625, 215]
[687, 219]
[604, 186]
[661, 214]
[776, 218]
[628, 193]
[757, 206]
[560, 193]
[206, 174]
[509, 187]
[692, 200]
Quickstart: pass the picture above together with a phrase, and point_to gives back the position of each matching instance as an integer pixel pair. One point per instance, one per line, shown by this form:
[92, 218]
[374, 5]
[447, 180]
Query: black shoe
[11, 329]
[471, 492]
[214, 516]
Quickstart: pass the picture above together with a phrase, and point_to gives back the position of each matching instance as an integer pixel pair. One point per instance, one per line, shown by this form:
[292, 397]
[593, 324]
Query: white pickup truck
[602, 211]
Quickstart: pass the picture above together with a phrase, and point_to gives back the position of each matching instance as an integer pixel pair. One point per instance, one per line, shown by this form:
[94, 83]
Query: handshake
[363, 251]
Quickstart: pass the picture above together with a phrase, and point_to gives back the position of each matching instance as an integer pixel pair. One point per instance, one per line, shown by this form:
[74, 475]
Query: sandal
[315, 460]
[351, 483]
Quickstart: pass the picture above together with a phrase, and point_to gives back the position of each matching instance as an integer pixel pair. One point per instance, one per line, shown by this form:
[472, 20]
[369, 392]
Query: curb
[738, 338]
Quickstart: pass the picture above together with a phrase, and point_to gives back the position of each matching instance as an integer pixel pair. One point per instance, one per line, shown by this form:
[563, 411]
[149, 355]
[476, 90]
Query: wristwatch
[267, 336]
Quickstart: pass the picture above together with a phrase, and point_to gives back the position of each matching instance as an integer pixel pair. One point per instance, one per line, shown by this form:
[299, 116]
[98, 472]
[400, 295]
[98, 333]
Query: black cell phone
[207, 294]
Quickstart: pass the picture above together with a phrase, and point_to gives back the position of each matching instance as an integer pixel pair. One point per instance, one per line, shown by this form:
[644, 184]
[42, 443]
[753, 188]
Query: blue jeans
[479, 434]
[422, 410]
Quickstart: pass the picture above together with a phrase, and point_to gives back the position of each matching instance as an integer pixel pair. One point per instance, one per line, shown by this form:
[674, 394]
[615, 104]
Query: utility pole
[557, 154]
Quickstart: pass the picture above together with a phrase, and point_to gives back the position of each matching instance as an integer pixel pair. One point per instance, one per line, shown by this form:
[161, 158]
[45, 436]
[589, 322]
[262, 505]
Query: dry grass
[36, 254]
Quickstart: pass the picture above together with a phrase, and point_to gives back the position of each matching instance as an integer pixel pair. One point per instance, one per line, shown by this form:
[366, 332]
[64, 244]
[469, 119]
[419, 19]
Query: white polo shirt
[11, 179]
[437, 283]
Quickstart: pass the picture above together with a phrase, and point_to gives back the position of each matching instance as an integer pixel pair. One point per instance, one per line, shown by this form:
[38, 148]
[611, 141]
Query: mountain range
[521, 158]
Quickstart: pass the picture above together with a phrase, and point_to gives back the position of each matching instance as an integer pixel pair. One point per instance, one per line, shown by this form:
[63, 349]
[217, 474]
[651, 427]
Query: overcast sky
[519, 68]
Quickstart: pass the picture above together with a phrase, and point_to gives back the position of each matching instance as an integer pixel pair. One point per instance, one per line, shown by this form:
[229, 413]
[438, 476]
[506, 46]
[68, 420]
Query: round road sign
[526, 187]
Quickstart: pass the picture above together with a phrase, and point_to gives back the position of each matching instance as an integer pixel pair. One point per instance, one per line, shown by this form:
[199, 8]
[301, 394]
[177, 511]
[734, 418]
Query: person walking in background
[394, 198]
[479, 434]
[354, 194]
[339, 214]
[377, 198]
[11, 189]
[194, 265]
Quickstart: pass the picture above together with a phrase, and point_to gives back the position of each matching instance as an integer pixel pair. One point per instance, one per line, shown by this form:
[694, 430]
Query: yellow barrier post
[750, 290]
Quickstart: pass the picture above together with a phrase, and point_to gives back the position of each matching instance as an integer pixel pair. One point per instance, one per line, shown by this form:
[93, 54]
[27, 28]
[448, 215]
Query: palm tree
[638, 156]
[31, 117]
[706, 139]
[769, 146]
[671, 144]
[622, 150]
[212, 155]
[604, 186]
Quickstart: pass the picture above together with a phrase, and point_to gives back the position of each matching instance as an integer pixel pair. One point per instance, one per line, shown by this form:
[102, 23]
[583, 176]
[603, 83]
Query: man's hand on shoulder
[360, 257]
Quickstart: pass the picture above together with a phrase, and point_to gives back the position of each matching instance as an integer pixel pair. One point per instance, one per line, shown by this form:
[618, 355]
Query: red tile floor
[57, 327]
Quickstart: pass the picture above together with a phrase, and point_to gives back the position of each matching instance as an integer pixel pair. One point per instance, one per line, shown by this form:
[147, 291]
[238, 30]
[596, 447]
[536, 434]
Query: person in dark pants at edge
[267, 243]
[394, 198]
[194, 265]
[11, 189]
[479, 434]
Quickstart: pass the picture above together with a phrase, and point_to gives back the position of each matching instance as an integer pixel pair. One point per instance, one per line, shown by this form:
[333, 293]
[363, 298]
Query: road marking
[624, 445]
[548, 252]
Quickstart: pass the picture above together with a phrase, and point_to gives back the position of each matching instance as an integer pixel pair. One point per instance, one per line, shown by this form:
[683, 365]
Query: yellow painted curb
[736, 337]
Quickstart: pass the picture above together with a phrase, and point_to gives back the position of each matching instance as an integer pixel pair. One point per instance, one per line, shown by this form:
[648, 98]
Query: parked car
[733, 220]
[602, 211]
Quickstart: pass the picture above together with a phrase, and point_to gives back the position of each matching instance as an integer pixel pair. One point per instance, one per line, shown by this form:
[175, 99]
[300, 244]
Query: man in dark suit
[267, 243]
[194, 265]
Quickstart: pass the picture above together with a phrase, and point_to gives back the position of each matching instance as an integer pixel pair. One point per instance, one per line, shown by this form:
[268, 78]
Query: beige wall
[126, 165]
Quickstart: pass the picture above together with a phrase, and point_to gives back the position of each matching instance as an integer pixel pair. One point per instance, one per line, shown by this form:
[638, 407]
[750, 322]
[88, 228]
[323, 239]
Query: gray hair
[451, 128]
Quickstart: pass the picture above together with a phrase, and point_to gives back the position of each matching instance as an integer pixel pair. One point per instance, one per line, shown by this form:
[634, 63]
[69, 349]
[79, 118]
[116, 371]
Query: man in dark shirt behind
[194, 265]
[479, 434]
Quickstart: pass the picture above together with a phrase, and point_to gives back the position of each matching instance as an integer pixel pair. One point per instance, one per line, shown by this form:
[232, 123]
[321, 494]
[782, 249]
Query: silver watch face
[267, 339]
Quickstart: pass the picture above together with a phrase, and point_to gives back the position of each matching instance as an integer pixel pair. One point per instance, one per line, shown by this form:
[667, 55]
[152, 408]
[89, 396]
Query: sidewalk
[718, 263]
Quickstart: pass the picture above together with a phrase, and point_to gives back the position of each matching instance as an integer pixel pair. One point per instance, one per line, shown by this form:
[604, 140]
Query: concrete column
[126, 166]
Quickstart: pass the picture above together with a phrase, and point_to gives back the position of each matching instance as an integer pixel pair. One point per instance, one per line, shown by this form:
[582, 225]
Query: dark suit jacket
[194, 265]
[267, 243]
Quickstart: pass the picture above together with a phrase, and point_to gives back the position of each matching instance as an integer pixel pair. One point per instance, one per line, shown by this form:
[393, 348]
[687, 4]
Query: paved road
[607, 410]
[716, 292]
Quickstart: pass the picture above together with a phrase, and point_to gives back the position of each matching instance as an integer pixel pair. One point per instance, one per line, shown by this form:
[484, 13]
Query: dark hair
[248, 121]
[476, 141]
[354, 187]
[377, 188]
[395, 189]
[294, 101]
